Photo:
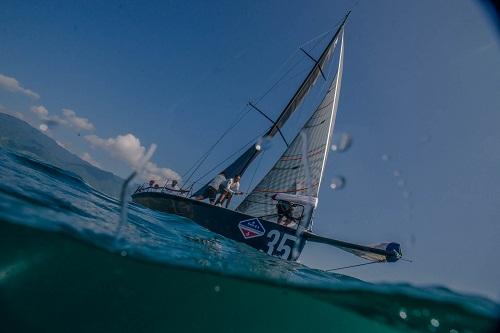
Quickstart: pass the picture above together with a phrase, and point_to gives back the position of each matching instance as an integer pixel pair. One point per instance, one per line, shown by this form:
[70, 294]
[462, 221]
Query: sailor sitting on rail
[290, 207]
[232, 188]
[172, 187]
[285, 211]
[212, 188]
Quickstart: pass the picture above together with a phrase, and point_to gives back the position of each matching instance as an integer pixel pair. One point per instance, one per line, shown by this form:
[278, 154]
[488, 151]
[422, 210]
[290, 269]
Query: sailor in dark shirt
[212, 188]
[285, 212]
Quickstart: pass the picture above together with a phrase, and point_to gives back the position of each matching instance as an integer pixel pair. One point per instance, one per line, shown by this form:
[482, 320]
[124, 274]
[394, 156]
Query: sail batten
[290, 176]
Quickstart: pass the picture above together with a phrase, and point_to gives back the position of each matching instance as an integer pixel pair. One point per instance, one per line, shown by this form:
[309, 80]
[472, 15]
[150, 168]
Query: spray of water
[124, 194]
[341, 142]
[337, 183]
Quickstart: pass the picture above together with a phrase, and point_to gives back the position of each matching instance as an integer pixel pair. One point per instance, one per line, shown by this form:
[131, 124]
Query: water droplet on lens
[406, 194]
[435, 322]
[263, 144]
[123, 253]
[341, 142]
[217, 289]
[385, 157]
[337, 183]
[396, 173]
[401, 183]
[425, 138]
[403, 314]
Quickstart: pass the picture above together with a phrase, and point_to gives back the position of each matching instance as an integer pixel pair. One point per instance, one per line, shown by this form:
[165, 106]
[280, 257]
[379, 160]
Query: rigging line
[272, 121]
[351, 266]
[316, 97]
[293, 66]
[315, 61]
[321, 35]
[229, 157]
[202, 159]
[254, 173]
[205, 156]
[279, 80]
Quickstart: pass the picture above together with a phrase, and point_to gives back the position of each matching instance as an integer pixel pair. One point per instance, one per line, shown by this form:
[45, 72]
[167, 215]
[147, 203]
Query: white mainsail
[288, 175]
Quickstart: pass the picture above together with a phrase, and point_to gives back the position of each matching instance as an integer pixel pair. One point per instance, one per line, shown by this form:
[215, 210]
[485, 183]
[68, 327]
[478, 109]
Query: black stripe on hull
[273, 239]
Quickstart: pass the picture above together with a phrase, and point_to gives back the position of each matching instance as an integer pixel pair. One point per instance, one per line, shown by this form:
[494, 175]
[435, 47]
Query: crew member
[212, 188]
[285, 211]
[232, 188]
[173, 186]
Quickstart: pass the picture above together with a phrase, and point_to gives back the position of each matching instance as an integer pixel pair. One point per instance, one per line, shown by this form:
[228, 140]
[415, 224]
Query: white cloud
[69, 119]
[19, 115]
[128, 148]
[16, 114]
[87, 157]
[41, 111]
[12, 85]
[50, 120]
[78, 122]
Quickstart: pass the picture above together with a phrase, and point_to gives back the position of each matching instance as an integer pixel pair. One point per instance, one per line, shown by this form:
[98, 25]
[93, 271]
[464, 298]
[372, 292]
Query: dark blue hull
[266, 236]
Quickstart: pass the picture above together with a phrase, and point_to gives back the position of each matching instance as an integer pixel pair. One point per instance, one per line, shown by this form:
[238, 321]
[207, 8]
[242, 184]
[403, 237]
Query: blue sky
[420, 87]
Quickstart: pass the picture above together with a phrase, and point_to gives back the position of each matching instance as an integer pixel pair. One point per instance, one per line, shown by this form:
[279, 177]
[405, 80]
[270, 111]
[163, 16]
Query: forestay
[240, 165]
[288, 175]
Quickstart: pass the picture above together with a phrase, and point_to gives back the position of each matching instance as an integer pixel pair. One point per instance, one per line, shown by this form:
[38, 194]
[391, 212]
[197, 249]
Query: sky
[420, 98]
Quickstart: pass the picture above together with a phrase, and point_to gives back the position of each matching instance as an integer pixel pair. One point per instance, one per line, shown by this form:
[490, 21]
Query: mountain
[17, 135]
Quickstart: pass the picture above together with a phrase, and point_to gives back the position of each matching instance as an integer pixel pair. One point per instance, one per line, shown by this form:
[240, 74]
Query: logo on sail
[251, 228]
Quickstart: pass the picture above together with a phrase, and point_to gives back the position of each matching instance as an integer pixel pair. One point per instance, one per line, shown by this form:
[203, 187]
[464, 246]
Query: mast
[306, 84]
[296, 176]
[240, 165]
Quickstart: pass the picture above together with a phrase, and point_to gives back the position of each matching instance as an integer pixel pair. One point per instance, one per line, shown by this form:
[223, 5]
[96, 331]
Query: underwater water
[62, 269]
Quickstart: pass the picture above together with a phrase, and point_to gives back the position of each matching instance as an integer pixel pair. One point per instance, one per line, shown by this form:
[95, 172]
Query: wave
[50, 170]
[163, 261]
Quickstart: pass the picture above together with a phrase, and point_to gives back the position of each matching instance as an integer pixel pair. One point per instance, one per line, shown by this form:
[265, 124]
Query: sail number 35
[283, 250]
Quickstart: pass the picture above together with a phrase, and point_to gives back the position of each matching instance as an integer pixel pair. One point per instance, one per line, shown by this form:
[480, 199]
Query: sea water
[62, 269]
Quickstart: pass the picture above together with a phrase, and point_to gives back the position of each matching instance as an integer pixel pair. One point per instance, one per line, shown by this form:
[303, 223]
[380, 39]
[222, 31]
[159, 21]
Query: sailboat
[291, 186]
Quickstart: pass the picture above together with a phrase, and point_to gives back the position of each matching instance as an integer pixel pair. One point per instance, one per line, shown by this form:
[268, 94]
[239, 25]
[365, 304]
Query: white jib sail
[288, 177]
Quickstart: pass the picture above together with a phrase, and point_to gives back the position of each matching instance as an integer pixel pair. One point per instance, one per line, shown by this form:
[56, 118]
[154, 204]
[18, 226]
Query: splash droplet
[263, 144]
[341, 142]
[403, 314]
[435, 322]
[337, 183]
[413, 240]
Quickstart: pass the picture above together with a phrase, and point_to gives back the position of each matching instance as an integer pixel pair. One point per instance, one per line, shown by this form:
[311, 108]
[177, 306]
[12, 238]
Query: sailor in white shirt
[173, 188]
[231, 188]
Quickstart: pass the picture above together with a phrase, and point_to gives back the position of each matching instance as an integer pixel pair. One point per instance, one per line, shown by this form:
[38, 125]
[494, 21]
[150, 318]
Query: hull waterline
[266, 236]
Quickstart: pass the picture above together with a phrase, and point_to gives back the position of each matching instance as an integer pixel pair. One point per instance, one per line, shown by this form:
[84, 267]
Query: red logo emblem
[251, 228]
